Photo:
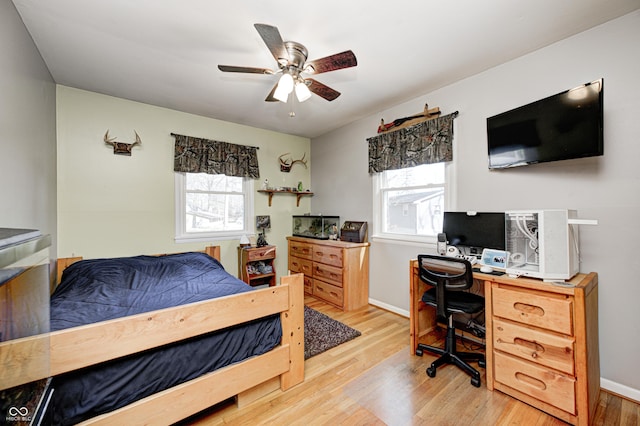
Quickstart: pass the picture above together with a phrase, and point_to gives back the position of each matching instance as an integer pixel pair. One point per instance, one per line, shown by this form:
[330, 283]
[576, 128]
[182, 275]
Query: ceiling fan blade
[321, 90]
[338, 61]
[270, 97]
[271, 37]
[251, 70]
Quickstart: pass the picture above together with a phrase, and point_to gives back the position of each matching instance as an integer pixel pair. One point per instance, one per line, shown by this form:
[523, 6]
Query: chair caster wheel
[475, 382]
[431, 372]
[482, 363]
[419, 352]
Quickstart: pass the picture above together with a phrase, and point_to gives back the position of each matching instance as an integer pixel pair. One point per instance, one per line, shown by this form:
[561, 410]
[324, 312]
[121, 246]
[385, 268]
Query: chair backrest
[452, 272]
[446, 274]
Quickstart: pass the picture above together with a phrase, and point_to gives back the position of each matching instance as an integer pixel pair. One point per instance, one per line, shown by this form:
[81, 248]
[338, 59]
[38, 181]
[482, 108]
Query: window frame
[181, 234]
[379, 214]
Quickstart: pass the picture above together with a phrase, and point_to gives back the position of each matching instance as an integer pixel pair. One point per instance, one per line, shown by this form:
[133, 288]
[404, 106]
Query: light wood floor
[374, 380]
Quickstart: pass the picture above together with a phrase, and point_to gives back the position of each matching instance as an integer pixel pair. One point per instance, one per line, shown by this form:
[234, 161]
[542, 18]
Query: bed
[90, 347]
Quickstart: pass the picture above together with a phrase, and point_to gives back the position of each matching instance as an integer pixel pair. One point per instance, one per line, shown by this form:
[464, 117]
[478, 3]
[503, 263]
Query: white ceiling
[166, 52]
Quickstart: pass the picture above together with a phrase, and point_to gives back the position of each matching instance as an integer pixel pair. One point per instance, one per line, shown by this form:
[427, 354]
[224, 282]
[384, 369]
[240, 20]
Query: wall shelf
[298, 194]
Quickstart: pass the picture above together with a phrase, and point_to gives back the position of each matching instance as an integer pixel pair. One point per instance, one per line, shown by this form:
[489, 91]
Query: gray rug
[322, 332]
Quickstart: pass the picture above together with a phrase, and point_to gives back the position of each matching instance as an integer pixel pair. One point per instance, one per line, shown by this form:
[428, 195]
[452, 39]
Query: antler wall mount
[287, 163]
[121, 148]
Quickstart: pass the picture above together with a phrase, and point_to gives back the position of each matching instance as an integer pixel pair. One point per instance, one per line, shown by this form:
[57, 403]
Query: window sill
[209, 237]
[405, 240]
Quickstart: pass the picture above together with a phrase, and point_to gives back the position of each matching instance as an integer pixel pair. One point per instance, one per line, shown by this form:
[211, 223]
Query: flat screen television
[471, 232]
[560, 127]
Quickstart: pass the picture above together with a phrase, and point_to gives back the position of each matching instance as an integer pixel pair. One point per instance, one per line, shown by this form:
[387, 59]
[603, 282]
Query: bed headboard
[63, 262]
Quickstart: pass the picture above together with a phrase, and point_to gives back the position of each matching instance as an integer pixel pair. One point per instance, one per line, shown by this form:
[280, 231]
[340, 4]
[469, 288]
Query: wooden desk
[541, 340]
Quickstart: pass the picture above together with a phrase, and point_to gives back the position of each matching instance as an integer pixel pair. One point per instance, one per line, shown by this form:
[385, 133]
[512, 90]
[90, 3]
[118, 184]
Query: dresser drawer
[328, 273]
[297, 264]
[261, 253]
[328, 255]
[328, 292]
[308, 285]
[542, 383]
[534, 345]
[304, 250]
[552, 313]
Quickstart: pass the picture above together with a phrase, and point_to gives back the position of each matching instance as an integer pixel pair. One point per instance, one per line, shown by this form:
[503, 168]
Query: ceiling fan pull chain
[292, 113]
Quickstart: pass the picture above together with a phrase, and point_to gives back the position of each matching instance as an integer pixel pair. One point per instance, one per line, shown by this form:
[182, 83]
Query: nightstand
[255, 265]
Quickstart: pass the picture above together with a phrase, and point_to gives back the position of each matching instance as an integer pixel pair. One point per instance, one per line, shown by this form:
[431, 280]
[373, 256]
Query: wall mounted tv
[561, 127]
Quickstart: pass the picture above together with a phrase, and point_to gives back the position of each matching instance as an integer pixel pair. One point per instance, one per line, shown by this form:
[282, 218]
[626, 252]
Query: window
[410, 202]
[210, 207]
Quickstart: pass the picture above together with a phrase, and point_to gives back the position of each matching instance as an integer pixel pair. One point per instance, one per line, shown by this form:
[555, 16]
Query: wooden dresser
[541, 340]
[334, 271]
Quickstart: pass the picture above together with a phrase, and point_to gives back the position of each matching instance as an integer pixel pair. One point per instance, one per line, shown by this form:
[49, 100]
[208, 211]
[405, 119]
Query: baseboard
[389, 308]
[619, 389]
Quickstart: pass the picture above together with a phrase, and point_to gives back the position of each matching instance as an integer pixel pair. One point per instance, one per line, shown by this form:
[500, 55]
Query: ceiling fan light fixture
[286, 83]
[302, 91]
[281, 95]
[292, 61]
[285, 86]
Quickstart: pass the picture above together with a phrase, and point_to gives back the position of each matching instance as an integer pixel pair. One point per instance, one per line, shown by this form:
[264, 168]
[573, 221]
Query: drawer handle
[531, 381]
[535, 348]
[528, 309]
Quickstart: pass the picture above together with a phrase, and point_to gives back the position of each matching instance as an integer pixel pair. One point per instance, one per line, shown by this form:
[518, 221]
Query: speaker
[442, 244]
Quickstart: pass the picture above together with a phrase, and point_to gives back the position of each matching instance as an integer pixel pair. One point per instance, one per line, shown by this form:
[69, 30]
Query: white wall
[604, 188]
[114, 205]
[27, 131]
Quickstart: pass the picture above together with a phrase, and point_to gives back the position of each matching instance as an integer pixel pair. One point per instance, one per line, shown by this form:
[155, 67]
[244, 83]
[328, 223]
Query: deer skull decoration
[285, 165]
[122, 148]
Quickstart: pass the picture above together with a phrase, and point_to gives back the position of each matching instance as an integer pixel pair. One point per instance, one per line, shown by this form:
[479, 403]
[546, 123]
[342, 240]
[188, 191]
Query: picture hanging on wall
[263, 222]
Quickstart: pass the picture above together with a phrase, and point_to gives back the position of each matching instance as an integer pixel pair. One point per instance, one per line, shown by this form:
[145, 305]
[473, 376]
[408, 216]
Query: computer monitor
[471, 232]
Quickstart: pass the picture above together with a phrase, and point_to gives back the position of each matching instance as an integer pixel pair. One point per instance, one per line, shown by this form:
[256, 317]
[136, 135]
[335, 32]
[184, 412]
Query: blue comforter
[103, 289]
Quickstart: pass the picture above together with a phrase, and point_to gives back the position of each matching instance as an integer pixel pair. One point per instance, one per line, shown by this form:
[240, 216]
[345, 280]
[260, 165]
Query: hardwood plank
[630, 413]
[376, 380]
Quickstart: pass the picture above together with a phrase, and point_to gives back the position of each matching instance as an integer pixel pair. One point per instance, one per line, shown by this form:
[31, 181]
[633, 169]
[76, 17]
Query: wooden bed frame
[33, 358]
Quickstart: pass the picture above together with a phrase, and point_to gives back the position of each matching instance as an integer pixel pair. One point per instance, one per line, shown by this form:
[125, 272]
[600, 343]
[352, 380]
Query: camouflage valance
[197, 155]
[423, 143]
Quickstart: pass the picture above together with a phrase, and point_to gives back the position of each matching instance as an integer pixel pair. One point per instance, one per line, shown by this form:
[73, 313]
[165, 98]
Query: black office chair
[449, 276]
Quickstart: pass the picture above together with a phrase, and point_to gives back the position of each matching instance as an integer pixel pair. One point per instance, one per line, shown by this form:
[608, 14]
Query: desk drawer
[297, 264]
[534, 345]
[552, 313]
[542, 383]
[328, 292]
[328, 255]
[328, 273]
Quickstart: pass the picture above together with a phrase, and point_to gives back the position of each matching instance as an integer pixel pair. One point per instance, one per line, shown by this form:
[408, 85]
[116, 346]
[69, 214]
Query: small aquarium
[319, 227]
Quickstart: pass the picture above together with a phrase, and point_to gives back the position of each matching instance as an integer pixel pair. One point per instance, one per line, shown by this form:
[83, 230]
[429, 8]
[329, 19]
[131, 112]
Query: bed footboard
[25, 360]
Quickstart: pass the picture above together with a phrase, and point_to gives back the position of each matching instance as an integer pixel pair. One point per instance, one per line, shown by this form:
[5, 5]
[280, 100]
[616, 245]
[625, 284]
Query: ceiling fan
[292, 63]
